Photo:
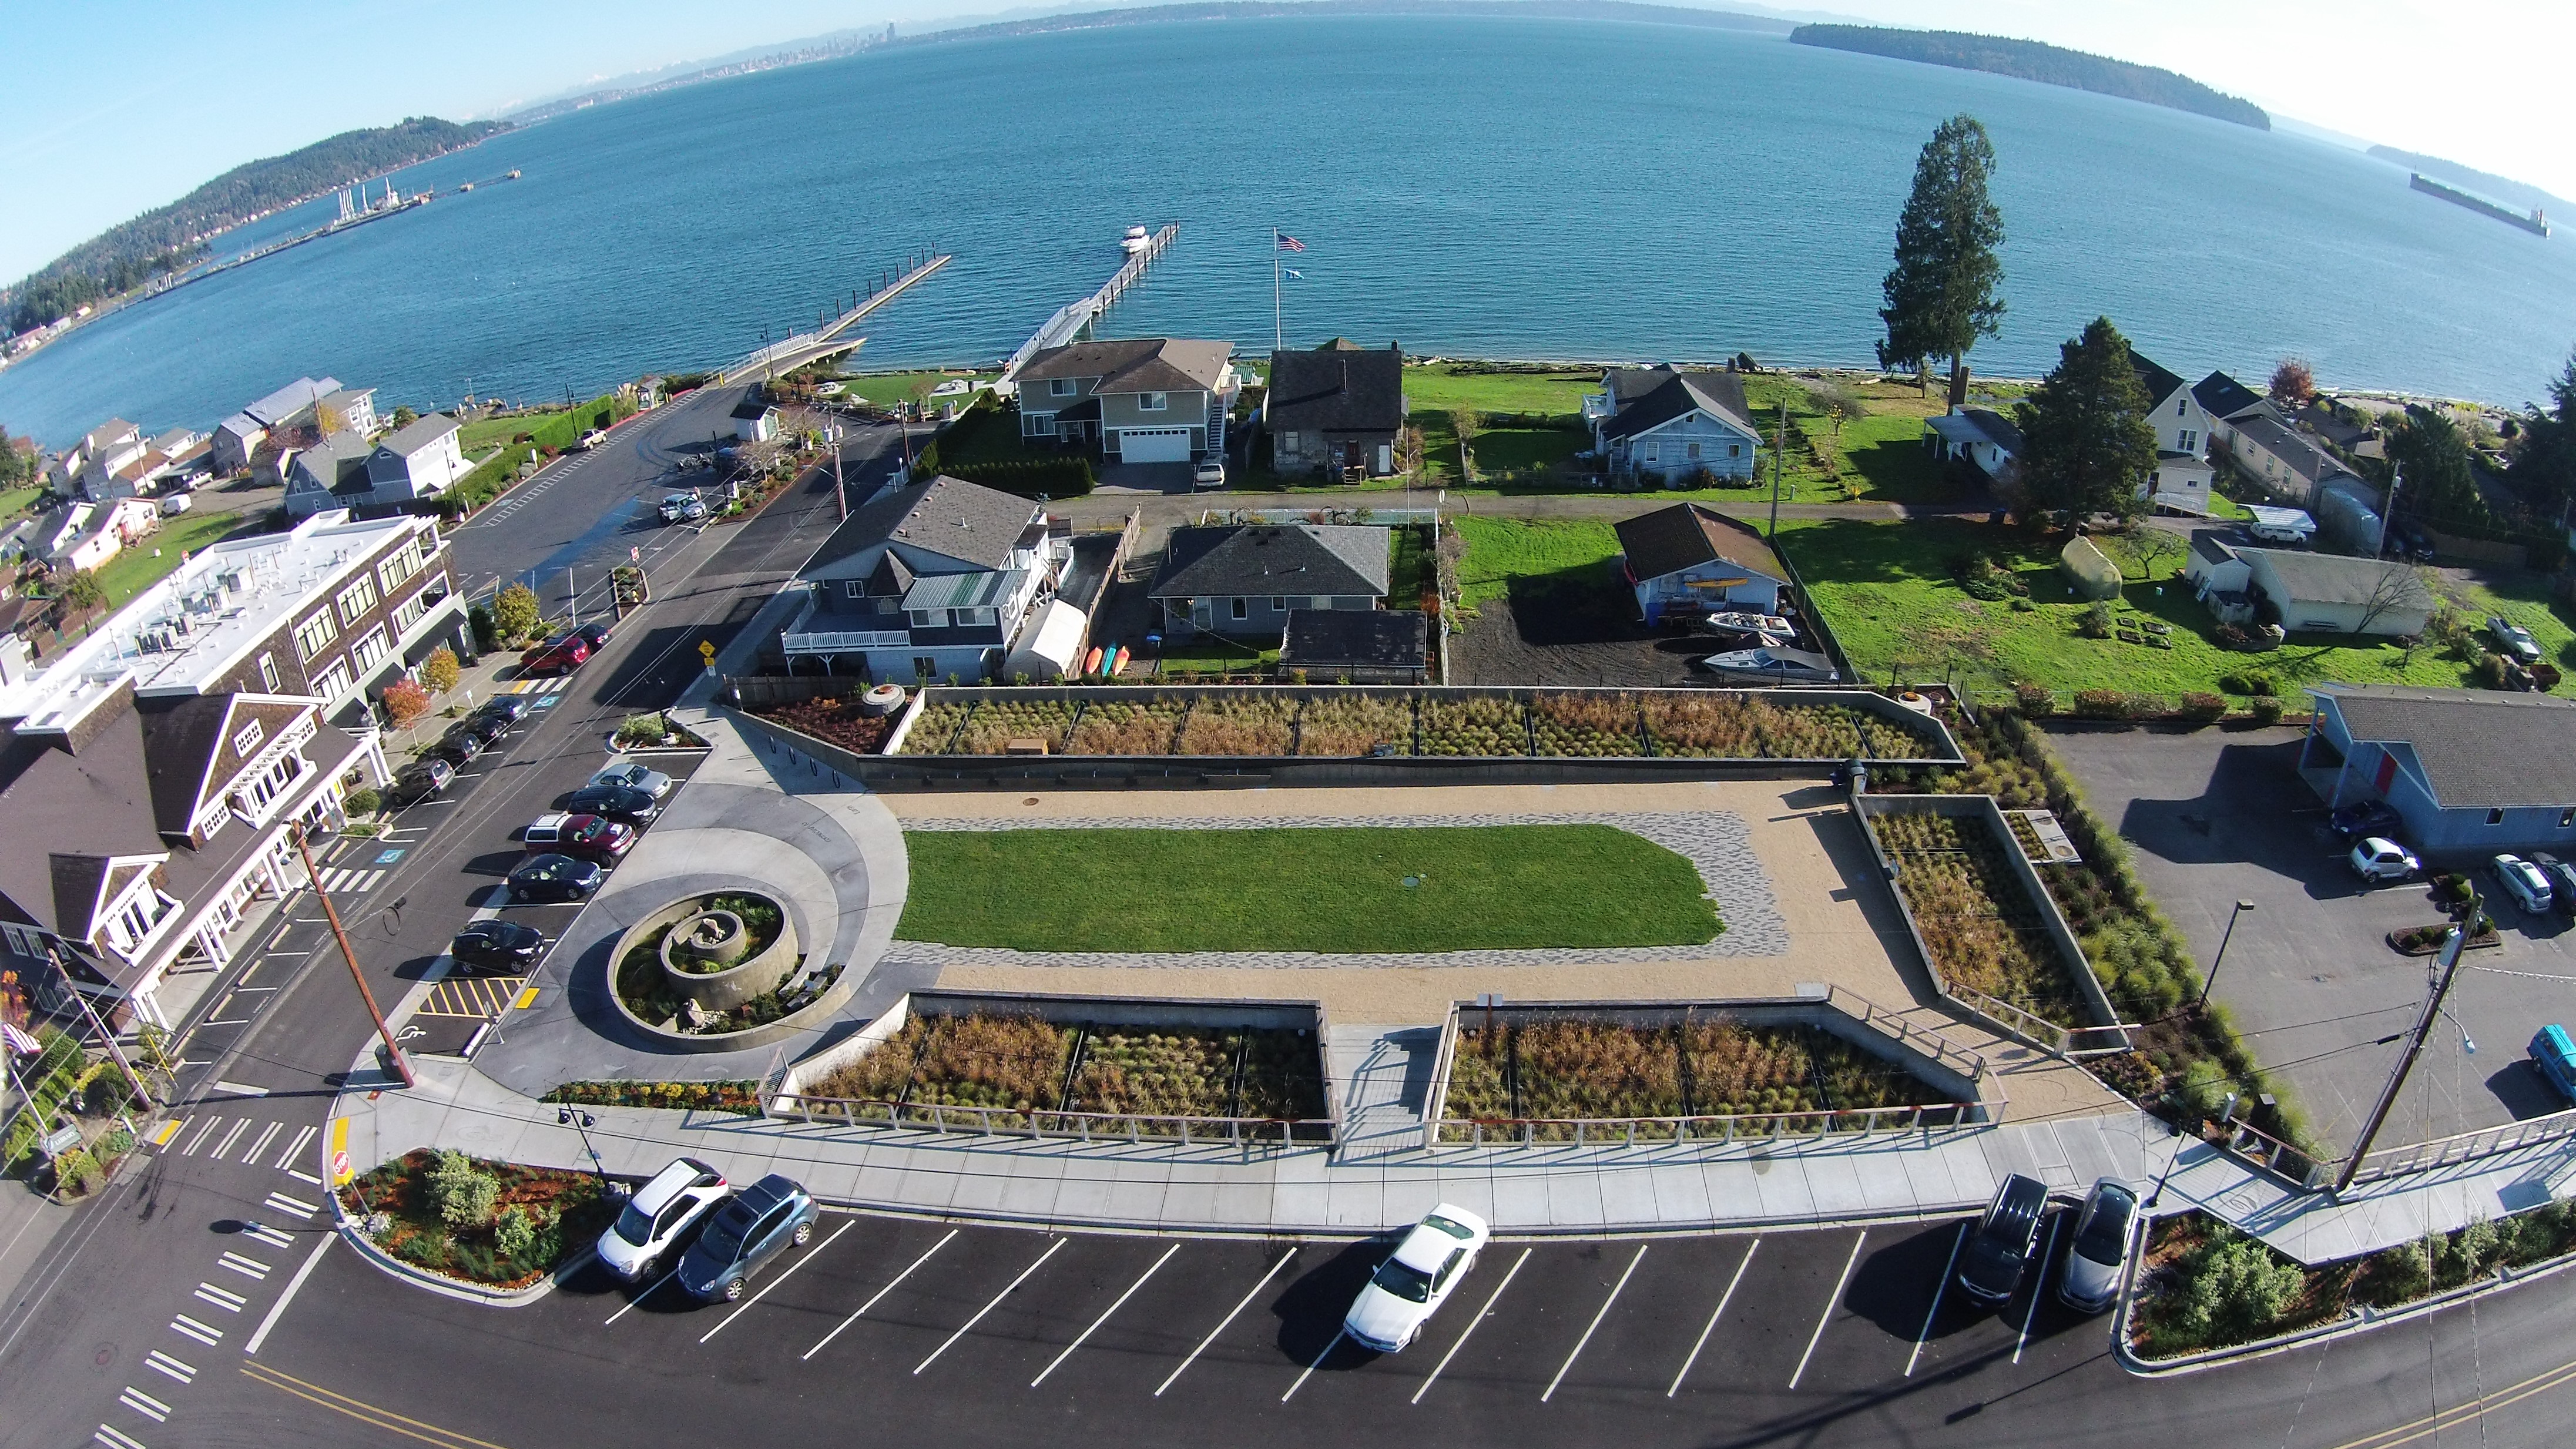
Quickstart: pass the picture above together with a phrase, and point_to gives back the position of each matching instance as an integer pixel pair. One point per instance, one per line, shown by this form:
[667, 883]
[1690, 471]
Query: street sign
[635, 555]
[339, 1167]
[707, 650]
[62, 1140]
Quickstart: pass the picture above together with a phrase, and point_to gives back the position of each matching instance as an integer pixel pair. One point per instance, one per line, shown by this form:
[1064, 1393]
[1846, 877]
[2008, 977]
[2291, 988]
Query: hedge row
[1054, 477]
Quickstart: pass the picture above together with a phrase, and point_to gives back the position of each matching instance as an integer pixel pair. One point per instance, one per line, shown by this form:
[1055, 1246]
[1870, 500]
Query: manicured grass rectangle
[1321, 889]
[1502, 550]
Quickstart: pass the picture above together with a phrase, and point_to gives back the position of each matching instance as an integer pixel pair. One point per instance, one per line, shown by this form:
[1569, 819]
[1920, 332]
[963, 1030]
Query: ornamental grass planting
[1585, 726]
[1477, 725]
[1020, 1063]
[1127, 728]
[1240, 724]
[1979, 924]
[934, 727]
[998, 722]
[1338, 725]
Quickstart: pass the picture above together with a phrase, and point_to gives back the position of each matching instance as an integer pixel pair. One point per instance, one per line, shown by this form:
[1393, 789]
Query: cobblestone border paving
[1715, 842]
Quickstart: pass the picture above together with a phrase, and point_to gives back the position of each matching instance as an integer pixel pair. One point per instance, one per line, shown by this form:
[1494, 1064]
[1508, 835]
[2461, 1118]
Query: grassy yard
[14, 501]
[135, 569]
[1888, 592]
[1409, 571]
[1441, 387]
[885, 389]
[1326, 889]
[1502, 550]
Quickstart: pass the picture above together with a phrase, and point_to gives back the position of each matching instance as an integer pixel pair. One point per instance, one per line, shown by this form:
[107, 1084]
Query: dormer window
[247, 738]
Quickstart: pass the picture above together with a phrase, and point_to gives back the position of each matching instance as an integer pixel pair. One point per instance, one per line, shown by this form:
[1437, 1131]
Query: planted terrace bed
[1125, 727]
[1594, 1069]
[1980, 925]
[1024, 1065]
[997, 723]
[1240, 724]
[1483, 725]
[935, 727]
[1585, 726]
[836, 720]
[1343, 725]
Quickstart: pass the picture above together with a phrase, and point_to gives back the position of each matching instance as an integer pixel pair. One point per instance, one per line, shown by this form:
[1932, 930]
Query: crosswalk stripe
[300, 1175]
[251, 1268]
[205, 1333]
[223, 1298]
[115, 1438]
[260, 1146]
[212, 1122]
[269, 1235]
[368, 881]
[282, 1203]
[294, 1147]
[144, 1404]
[164, 1363]
[225, 1147]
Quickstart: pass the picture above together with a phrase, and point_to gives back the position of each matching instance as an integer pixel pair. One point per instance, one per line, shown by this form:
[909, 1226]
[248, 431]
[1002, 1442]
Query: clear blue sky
[115, 107]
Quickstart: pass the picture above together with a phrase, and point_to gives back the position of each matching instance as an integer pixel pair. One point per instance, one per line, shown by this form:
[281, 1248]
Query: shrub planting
[740, 1098]
[1585, 725]
[1026, 1064]
[1235, 723]
[1337, 725]
[521, 1222]
[838, 721]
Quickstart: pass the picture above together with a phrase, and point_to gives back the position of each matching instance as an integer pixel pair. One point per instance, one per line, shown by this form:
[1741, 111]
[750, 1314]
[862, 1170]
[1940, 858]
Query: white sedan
[1415, 1279]
[2381, 859]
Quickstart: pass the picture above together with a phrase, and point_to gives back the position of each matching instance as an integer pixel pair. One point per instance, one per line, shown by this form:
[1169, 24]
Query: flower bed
[1977, 921]
[838, 721]
[1019, 1062]
[1239, 724]
[1583, 1067]
[997, 722]
[1585, 725]
[491, 1223]
[934, 727]
[1355, 724]
[1475, 725]
[1127, 728]
[740, 1098]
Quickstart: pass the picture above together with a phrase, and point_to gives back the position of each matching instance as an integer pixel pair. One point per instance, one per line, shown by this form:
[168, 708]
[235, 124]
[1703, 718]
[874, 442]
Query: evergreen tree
[2429, 454]
[1941, 293]
[2544, 460]
[2086, 442]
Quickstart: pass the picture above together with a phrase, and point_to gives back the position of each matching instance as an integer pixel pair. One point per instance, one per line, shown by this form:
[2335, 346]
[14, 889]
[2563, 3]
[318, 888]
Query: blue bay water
[1468, 186]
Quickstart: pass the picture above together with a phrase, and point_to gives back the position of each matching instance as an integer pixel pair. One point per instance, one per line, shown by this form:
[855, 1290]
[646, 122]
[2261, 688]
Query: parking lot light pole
[2211, 979]
[582, 1122]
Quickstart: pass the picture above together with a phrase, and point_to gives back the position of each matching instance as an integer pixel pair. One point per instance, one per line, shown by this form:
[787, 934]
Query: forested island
[169, 238]
[2034, 61]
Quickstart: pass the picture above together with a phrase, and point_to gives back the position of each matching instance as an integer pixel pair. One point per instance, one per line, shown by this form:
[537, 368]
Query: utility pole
[2388, 509]
[384, 1033]
[2432, 1012]
[840, 487]
[1779, 446]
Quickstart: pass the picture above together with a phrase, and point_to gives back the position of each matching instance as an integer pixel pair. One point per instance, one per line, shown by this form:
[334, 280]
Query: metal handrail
[1054, 1125]
[2466, 1146]
[1755, 1126]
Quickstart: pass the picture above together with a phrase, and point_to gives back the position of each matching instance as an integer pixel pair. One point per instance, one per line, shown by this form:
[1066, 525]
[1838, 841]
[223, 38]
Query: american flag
[18, 1041]
[1289, 243]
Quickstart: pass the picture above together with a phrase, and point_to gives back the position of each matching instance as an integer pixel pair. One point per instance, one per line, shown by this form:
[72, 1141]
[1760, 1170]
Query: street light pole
[385, 1033]
[2432, 1012]
[2211, 980]
[581, 1123]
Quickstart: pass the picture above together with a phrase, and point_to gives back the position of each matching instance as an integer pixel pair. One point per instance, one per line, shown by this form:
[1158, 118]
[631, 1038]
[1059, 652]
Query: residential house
[1690, 559]
[93, 533]
[1243, 580]
[416, 461]
[2472, 772]
[1337, 407]
[343, 409]
[1660, 424]
[1980, 438]
[936, 578]
[754, 419]
[88, 468]
[2180, 478]
[329, 475]
[1138, 400]
[2306, 592]
[237, 438]
[2268, 448]
[1378, 646]
[2224, 400]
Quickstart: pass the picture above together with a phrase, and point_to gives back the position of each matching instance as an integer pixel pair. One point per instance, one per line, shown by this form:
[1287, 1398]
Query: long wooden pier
[1072, 317]
[794, 352]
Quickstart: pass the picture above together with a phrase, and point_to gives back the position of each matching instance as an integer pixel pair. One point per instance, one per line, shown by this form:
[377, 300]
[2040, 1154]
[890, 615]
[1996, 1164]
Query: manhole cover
[103, 1355]
[1032, 800]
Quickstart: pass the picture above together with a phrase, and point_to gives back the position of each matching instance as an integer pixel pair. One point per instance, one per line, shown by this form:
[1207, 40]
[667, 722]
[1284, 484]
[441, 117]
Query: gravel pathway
[1715, 842]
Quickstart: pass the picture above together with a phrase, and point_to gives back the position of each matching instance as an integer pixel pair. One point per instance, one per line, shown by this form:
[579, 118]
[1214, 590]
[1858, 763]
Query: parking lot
[2218, 816]
[990, 1333]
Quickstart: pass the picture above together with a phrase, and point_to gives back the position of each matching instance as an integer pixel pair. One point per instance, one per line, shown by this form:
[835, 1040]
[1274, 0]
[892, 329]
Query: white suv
[657, 1214]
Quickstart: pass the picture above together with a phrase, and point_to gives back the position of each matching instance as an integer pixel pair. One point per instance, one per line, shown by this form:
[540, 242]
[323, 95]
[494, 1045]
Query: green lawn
[14, 501]
[1505, 552]
[1441, 387]
[1327, 889]
[1888, 593]
[1409, 572]
[885, 389]
[134, 569]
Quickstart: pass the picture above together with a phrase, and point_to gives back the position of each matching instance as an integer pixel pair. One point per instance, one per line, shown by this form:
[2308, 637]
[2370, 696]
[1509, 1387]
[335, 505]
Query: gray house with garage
[1137, 400]
[2472, 772]
[1245, 580]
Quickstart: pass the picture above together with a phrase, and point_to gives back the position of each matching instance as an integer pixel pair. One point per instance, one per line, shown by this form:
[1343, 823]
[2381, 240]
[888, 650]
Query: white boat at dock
[1136, 240]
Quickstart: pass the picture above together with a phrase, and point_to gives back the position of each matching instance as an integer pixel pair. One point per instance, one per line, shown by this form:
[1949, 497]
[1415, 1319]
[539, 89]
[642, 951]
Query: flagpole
[1278, 328]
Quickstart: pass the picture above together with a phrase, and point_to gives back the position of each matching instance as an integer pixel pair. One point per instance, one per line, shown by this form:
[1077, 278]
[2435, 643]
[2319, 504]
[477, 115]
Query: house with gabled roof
[1137, 399]
[237, 438]
[2472, 772]
[1661, 424]
[934, 578]
[330, 474]
[1981, 438]
[1336, 407]
[1243, 580]
[2180, 478]
[1689, 559]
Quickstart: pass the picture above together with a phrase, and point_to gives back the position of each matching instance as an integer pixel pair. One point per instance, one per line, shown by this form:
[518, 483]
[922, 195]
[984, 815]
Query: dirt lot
[1538, 640]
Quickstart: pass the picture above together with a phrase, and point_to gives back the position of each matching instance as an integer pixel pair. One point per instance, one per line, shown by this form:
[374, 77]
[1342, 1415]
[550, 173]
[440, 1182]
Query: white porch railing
[844, 643]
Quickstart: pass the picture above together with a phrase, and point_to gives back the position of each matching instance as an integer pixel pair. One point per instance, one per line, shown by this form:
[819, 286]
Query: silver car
[2523, 881]
[634, 776]
[2099, 1247]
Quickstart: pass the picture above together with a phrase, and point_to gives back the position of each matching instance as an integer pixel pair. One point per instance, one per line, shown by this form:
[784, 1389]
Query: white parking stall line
[1104, 1316]
[205, 1333]
[144, 1404]
[1309, 1372]
[1588, 1329]
[790, 1272]
[640, 1297]
[1472, 1324]
[963, 1328]
[294, 1147]
[251, 1154]
[225, 1147]
[1230, 1316]
[280, 1202]
[872, 1301]
[212, 1122]
[1711, 1326]
[178, 1369]
[270, 1236]
[251, 1268]
[1938, 1289]
[237, 1089]
[223, 1298]
[115, 1438]
[1827, 1316]
[2038, 1289]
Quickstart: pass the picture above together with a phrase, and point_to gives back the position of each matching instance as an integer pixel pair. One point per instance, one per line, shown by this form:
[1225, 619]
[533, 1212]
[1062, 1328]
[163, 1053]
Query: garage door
[1153, 445]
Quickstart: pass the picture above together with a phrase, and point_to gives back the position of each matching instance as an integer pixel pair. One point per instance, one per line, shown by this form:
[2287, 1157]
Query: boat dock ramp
[1072, 317]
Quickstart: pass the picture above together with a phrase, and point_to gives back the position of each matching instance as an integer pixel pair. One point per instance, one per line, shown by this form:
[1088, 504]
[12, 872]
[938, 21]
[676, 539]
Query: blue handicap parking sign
[388, 857]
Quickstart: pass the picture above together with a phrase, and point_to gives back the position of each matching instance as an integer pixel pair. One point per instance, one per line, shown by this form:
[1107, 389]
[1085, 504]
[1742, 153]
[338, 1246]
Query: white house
[1981, 437]
[2312, 593]
[2180, 479]
[93, 533]
[1690, 559]
[754, 421]
[1670, 424]
[418, 461]
[238, 437]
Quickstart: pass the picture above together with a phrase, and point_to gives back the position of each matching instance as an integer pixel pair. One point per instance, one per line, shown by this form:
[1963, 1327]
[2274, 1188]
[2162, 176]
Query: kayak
[1091, 661]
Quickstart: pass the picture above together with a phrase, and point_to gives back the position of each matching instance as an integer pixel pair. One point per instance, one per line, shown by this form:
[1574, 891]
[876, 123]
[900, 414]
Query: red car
[585, 837]
[556, 656]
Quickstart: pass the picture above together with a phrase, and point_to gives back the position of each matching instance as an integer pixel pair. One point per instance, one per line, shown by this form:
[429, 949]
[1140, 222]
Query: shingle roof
[2479, 748]
[1998, 429]
[946, 516]
[1337, 390]
[1135, 364]
[1627, 384]
[289, 400]
[2327, 578]
[751, 406]
[2294, 450]
[332, 460]
[422, 433]
[2222, 396]
[180, 737]
[2159, 383]
[1273, 558]
[2214, 545]
[1356, 638]
[1686, 535]
[1720, 394]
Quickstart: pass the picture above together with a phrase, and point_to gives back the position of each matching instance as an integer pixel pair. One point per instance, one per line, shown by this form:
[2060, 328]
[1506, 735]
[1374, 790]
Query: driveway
[2217, 816]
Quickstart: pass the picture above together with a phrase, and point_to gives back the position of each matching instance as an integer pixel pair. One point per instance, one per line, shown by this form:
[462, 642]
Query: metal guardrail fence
[1857, 1122]
[2466, 1146]
[1058, 1126]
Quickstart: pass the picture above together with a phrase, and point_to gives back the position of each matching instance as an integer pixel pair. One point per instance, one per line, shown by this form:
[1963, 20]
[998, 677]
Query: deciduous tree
[2086, 442]
[83, 592]
[439, 672]
[2294, 383]
[514, 613]
[1941, 292]
[405, 702]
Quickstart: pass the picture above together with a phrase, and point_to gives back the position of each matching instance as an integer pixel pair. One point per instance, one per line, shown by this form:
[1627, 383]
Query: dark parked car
[457, 748]
[1998, 1253]
[418, 781]
[555, 878]
[2370, 817]
[484, 729]
[510, 707]
[2410, 543]
[746, 1232]
[621, 803]
[2561, 877]
[497, 946]
[594, 635]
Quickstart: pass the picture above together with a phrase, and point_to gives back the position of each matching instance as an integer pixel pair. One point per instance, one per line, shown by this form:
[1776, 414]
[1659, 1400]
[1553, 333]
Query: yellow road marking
[362, 1411]
[168, 1130]
[526, 999]
[2459, 1414]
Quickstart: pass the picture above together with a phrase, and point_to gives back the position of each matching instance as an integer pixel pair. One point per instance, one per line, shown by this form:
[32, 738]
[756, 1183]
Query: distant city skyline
[94, 132]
